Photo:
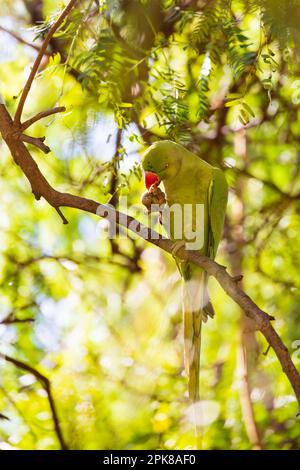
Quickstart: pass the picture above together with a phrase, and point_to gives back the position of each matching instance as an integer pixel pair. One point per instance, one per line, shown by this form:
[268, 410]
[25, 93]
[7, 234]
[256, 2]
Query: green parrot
[190, 182]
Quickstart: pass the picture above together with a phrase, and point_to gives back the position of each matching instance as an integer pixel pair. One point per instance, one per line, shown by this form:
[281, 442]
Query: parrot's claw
[176, 247]
[209, 310]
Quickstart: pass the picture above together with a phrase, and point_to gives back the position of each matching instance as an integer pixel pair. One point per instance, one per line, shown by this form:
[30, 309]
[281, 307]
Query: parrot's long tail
[196, 308]
[193, 302]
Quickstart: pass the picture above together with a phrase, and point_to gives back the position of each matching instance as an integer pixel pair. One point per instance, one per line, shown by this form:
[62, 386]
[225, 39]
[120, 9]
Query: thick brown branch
[46, 384]
[38, 60]
[43, 114]
[41, 188]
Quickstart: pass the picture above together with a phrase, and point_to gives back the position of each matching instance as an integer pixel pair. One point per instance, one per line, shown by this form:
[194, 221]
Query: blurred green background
[101, 319]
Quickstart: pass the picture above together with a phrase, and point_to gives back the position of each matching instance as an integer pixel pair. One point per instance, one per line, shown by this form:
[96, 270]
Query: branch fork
[16, 131]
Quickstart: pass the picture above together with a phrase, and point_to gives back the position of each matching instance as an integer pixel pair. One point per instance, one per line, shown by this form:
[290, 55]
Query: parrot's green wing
[218, 194]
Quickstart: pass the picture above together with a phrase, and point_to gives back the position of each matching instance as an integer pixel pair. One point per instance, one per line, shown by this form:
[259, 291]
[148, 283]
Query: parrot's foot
[176, 247]
[208, 311]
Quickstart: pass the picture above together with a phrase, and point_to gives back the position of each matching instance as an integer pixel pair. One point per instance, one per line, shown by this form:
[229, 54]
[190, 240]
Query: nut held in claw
[155, 196]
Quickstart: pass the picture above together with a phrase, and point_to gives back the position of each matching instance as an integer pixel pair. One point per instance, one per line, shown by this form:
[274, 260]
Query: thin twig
[38, 60]
[23, 41]
[41, 115]
[46, 384]
[61, 215]
[268, 183]
[36, 141]
[12, 320]
[265, 353]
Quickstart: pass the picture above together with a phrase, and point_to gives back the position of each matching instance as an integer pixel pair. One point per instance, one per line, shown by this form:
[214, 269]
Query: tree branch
[46, 384]
[11, 320]
[42, 188]
[36, 141]
[248, 350]
[21, 40]
[269, 184]
[43, 114]
[38, 60]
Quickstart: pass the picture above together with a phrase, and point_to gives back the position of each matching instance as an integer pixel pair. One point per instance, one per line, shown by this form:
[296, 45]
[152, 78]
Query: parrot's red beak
[150, 179]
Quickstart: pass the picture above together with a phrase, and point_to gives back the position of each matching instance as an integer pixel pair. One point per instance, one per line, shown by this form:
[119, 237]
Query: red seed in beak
[150, 179]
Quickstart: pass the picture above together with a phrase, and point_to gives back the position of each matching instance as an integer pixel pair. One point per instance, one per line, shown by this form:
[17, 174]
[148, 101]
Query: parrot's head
[161, 161]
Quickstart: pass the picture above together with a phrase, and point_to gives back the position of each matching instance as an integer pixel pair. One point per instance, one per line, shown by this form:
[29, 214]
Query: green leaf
[233, 96]
[126, 105]
[248, 109]
[245, 116]
[228, 104]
